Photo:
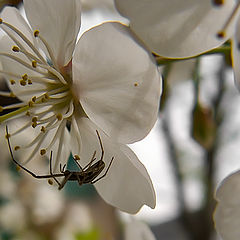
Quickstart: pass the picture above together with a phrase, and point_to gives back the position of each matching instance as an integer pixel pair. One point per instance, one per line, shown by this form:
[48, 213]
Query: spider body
[88, 174]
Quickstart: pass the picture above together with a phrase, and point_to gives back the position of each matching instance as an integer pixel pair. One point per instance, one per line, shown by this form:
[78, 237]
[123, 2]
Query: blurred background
[193, 146]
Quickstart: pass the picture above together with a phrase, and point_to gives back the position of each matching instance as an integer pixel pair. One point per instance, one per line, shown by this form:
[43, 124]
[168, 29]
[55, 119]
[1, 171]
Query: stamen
[34, 64]
[15, 49]
[218, 2]
[50, 181]
[12, 81]
[16, 148]
[23, 82]
[6, 94]
[43, 151]
[76, 157]
[222, 32]
[59, 117]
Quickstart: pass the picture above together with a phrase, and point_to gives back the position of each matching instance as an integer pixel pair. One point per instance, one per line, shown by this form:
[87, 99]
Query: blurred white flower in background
[178, 28]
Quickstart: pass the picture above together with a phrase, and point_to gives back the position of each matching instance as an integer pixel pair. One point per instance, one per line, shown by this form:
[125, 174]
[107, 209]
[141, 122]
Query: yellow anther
[7, 136]
[43, 151]
[221, 34]
[16, 148]
[135, 84]
[12, 81]
[50, 181]
[43, 129]
[25, 77]
[15, 48]
[1, 108]
[34, 63]
[30, 103]
[28, 113]
[12, 94]
[76, 157]
[34, 124]
[59, 116]
[18, 168]
[36, 33]
[34, 99]
[46, 96]
[34, 119]
[23, 82]
[43, 100]
[218, 2]
[1, 21]
[29, 81]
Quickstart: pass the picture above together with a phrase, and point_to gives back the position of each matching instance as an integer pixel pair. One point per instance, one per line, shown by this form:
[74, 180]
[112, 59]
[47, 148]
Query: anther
[221, 34]
[36, 33]
[46, 96]
[59, 116]
[25, 77]
[218, 2]
[12, 95]
[16, 148]
[76, 157]
[18, 168]
[7, 136]
[30, 103]
[34, 99]
[28, 113]
[34, 124]
[34, 64]
[34, 119]
[29, 81]
[23, 82]
[12, 81]
[135, 84]
[43, 129]
[15, 49]
[1, 21]
[43, 151]
[1, 108]
[50, 181]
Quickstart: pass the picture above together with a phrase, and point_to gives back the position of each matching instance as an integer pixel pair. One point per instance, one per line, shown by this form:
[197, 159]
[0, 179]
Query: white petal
[58, 22]
[177, 28]
[117, 82]
[227, 213]
[236, 55]
[127, 184]
[138, 230]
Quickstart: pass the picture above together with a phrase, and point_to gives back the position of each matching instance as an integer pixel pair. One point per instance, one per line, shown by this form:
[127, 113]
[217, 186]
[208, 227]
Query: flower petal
[58, 22]
[227, 213]
[127, 184]
[177, 28]
[117, 82]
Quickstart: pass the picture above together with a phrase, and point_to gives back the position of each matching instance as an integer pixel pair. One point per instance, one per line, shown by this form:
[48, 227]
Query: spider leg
[101, 145]
[90, 163]
[24, 168]
[59, 184]
[104, 173]
[62, 184]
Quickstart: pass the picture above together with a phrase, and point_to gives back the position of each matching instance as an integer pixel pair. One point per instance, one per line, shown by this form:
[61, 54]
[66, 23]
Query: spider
[87, 174]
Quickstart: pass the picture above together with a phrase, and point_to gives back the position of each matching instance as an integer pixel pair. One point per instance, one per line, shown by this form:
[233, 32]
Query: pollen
[221, 34]
[25, 77]
[43, 129]
[76, 157]
[218, 2]
[12, 82]
[12, 95]
[34, 64]
[43, 151]
[34, 99]
[50, 181]
[36, 33]
[23, 82]
[59, 116]
[16, 148]
[15, 49]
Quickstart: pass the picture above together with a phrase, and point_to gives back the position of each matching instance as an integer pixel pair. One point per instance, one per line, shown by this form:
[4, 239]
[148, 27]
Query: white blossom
[107, 81]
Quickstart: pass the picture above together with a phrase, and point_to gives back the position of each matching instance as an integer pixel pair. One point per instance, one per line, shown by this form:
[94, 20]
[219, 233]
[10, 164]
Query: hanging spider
[87, 174]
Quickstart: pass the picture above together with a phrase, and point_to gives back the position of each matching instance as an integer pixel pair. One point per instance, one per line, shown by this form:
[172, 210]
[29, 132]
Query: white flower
[178, 28]
[106, 82]
[227, 213]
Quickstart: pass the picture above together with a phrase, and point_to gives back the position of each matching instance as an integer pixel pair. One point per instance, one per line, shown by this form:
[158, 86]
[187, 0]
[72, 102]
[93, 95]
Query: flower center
[47, 87]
